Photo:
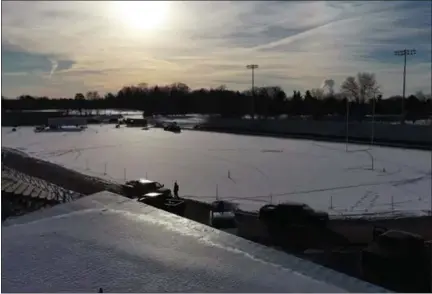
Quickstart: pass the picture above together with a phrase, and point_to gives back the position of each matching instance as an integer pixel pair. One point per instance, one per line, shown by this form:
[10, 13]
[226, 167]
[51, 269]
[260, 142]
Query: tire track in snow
[360, 201]
[373, 201]
[317, 190]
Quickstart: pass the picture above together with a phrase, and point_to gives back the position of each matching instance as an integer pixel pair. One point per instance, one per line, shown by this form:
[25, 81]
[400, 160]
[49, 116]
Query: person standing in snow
[176, 189]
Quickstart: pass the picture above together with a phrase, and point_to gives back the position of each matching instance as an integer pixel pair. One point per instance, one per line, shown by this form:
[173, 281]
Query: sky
[59, 48]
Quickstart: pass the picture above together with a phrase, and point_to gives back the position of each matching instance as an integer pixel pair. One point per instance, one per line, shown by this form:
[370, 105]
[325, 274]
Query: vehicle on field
[38, 129]
[140, 187]
[172, 127]
[292, 213]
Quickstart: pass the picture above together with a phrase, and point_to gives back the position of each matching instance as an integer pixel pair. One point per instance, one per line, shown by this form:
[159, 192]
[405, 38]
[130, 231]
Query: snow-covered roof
[118, 244]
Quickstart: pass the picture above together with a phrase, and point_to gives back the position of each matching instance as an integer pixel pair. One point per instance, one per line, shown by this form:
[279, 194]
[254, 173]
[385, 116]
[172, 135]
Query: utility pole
[404, 53]
[253, 67]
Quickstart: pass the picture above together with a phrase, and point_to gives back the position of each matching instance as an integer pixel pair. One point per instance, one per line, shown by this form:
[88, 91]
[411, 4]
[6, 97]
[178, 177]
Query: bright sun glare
[142, 15]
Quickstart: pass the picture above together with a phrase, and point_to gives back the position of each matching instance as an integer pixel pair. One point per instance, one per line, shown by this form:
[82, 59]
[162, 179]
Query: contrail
[54, 65]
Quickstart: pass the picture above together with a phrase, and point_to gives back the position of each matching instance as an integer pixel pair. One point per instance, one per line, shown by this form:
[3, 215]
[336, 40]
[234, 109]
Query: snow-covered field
[247, 169]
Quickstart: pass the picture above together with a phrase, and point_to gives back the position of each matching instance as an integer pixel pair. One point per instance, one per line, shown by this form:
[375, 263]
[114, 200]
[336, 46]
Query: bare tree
[221, 88]
[365, 87]
[89, 95]
[317, 93]
[350, 88]
[79, 96]
[329, 85]
[92, 95]
[368, 85]
[420, 96]
[143, 86]
[179, 88]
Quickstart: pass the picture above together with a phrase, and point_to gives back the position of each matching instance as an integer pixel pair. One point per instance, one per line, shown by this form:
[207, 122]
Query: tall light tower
[373, 119]
[347, 124]
[404, 53]
[253, 67]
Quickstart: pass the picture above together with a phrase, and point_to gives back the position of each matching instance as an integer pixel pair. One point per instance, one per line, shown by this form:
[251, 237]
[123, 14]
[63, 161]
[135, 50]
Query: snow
[121, 245]
[261, 169]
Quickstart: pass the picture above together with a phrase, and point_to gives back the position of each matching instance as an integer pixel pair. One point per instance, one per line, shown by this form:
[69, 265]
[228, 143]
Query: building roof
[120, 245]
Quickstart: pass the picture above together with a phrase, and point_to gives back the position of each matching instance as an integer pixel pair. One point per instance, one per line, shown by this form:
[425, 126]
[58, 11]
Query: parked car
[293, 226]
[153, 198]
[159, 124]
[140, 187]
[136, 122]
[172, 127]
[39, 129]
[165, 202]
[292, 213]
[222, 214]
[176, 206]
[397, 260]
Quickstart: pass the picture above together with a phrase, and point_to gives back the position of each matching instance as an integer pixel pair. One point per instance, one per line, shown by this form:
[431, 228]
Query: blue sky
[60, 48]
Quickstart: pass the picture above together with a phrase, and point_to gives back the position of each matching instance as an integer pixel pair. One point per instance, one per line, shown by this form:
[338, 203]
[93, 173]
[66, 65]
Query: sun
[142, 15]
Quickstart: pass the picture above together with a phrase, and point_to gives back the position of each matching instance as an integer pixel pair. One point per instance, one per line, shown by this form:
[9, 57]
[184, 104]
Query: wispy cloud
[296, 44]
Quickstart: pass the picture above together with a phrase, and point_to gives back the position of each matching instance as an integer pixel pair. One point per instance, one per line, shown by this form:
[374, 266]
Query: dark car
[397, 260]
[292, 213]
[136, 122]
[140, 187]
[154, 198]
[39, 129]
[159, 124]
[222, 214]
[294, 226]
[165, 202]
[172, 127]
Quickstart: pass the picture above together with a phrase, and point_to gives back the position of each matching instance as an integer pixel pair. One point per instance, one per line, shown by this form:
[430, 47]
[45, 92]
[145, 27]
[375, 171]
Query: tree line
[361, 94]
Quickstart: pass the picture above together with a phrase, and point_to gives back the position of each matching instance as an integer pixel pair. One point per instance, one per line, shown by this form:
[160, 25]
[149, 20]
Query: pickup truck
[140, 187]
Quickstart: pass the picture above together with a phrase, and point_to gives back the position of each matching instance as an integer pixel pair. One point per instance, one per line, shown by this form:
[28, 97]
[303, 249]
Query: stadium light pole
[431, 165]
[373, 119]
[253, 67]
[404, 53]
[347, 124]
